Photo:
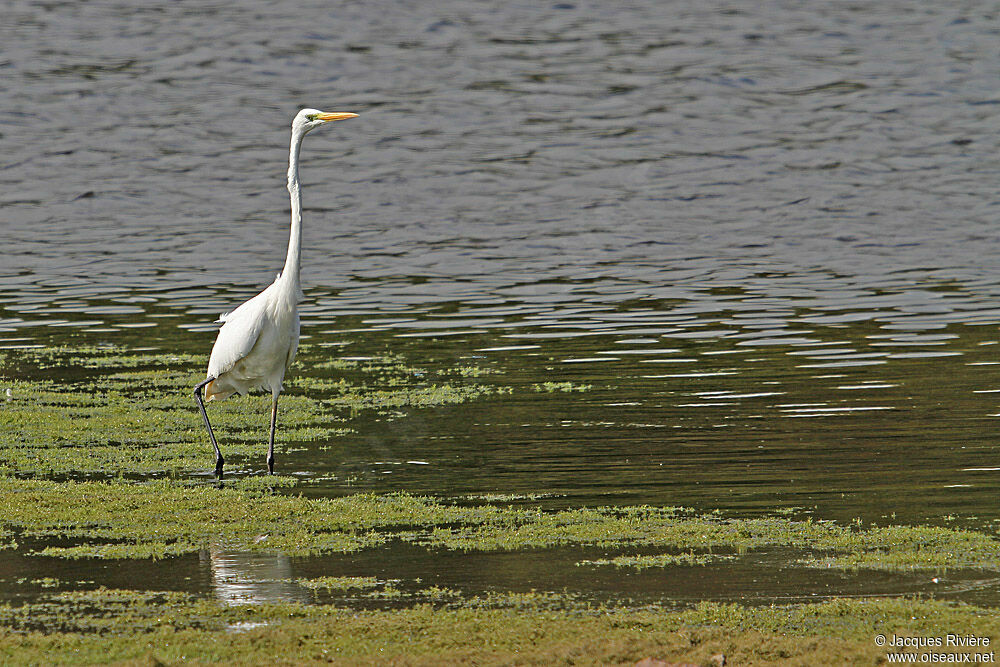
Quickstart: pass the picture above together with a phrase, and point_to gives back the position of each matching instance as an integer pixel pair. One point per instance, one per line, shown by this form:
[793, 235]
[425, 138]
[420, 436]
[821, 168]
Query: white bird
[258, 340]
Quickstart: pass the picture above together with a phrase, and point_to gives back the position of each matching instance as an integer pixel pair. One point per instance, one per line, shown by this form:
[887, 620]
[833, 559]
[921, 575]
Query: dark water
[764, 234]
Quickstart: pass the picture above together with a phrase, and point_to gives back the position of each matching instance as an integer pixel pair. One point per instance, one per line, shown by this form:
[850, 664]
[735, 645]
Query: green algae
[135, 423]
[902, 548]
[112, 411]
[111, 420]
[508, 497]
[117, 412]
[339, 583]
[390, 367]
[413, 397]
[7, 540]
[106, 625]
[469, 371]
[658, 560]
[565, 387]
[162, 518]
[896, 548]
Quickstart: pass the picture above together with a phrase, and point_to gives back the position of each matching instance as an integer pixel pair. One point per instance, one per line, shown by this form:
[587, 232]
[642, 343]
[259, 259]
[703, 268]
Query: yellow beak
[326, 117]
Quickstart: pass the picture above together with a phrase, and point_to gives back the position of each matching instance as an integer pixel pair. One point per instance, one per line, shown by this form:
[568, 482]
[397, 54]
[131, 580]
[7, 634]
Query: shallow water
[763, 236]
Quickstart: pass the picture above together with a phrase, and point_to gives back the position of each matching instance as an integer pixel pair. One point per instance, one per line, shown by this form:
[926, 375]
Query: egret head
[308, 119]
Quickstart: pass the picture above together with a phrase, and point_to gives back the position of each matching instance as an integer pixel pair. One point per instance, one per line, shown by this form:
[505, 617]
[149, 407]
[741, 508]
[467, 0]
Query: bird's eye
[311, 116]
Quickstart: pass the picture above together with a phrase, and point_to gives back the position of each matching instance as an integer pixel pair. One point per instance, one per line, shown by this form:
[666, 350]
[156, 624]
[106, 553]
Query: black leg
[270, 445]
[204, 415]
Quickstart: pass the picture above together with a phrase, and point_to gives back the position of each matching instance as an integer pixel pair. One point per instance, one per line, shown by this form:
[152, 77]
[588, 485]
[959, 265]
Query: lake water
[765, 235]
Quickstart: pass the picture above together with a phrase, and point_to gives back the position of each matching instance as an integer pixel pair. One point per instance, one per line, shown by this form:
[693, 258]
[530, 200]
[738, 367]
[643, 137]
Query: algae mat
[107, 467]
[131, 628]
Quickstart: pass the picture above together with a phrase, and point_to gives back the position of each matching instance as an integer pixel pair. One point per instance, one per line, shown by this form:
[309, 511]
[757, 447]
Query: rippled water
[764, 234]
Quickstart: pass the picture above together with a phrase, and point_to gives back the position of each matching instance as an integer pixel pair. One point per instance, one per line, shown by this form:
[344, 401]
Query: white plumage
[256, 344]
[258, 340]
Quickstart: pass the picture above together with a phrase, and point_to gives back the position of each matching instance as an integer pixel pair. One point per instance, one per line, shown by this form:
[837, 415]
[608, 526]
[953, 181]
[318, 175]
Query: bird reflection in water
[240, 577]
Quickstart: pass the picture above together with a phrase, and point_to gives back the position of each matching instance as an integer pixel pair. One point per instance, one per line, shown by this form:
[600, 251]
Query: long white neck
[293, 259]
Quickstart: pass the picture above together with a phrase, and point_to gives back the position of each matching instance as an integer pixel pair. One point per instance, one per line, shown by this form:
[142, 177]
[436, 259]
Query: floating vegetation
[7, 540]
[113, 412]
[339, 583]
[385, 365]
[658, 560]
[112, 416]
[163, 518]
[108, 625]
[508, 497]
[114, 421]
[551, 387]
[469, 371]
[897, 548]
[118, 519]
[416, 397]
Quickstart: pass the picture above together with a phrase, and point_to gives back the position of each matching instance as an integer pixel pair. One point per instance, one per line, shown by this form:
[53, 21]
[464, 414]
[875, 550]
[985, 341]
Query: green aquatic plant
[116, 415]
[658, 560]
[896, 548]
[156, 519]
[162, 518]
[339, 583]
[107, 625]
[115, 412]
[901, 548]
[508, 497]
[550, 387]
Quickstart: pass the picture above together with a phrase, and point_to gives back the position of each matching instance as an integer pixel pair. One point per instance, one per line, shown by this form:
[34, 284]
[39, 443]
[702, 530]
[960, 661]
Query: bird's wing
[238, 335]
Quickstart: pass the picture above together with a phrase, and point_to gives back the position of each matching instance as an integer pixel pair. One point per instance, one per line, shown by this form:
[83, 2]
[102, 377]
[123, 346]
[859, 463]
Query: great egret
[258, 340]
